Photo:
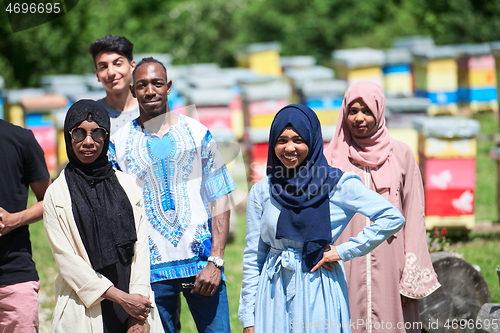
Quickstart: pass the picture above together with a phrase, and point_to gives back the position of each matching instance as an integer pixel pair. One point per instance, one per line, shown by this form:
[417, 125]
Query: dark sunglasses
[78, 134]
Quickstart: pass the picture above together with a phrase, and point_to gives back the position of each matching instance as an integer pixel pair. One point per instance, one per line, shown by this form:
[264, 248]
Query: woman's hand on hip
[330, 257]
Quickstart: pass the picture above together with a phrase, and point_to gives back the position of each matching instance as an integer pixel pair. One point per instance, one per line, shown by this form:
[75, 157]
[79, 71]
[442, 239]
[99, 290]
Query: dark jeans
[210, 313]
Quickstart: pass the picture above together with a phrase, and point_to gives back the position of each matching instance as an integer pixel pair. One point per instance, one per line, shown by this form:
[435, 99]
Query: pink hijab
[373, 151]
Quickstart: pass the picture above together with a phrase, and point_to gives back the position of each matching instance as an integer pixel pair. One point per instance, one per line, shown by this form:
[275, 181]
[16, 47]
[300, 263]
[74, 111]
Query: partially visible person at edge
[293, 278]
[185, 186]
[96, 227]
[113, 66]
[23, 167]
[384, 286]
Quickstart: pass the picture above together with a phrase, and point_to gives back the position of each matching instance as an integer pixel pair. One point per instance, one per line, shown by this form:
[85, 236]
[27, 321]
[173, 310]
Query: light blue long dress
[277, 296]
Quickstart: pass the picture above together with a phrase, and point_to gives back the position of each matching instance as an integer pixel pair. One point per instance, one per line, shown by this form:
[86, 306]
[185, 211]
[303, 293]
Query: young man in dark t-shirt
[22, 166]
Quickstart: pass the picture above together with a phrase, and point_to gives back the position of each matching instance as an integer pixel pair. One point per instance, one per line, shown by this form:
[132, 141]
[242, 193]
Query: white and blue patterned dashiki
[180, 174]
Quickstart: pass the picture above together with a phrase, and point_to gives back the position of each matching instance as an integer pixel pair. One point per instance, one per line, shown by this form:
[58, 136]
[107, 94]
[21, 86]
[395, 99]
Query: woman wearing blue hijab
[293, 279]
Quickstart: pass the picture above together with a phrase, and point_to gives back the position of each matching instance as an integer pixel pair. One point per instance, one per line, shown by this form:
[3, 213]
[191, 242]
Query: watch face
[218, 262]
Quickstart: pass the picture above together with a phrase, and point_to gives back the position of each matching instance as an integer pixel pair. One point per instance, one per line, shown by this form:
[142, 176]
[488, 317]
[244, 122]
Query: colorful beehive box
[299, 76]
[236, 105]
[257, 161]
[412, 44]
[263, 58]
[398, 80]
[237, 121]
[211, 108]
[400, 112]
[210, 92]
[477, 82]
[13, 112]
[257, 152]
[262, 98]
[361, 64]
[408, 136]
[40, 119]
[399, 116]
[449, 186]
[325, 98]
[456, 222]
[447, 150]
[436, 78]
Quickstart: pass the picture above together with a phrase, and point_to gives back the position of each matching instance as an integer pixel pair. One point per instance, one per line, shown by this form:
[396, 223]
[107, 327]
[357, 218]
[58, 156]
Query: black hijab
[102, 210]
[303, 191]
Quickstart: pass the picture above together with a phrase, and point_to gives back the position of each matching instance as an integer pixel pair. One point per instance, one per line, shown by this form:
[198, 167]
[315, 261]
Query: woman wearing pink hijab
[385, 285]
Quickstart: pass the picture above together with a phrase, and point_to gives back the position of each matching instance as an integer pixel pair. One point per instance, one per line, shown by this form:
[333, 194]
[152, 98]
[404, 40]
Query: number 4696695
[472, 324]
[33, 8]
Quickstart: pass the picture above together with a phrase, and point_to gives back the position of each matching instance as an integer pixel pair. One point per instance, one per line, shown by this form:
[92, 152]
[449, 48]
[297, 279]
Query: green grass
[483, 251]
[486, 169]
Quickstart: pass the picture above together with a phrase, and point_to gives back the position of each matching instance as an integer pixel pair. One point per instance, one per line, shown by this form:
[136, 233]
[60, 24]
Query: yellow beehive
[15, 114]
[360, 64]
[261, 120]
[408, 136]
[447, 148]
[459, 222]
[434, 80]
[327, 117]
[436, 70]
[398, 84]
[62, 157]
[263, 58]
[481, 77]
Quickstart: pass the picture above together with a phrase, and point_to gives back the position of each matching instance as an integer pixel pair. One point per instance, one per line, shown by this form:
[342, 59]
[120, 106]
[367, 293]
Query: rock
[454, 307]
[488, 318]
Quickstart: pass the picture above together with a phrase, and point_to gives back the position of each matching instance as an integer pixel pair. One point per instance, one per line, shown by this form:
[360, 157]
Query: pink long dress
[401, 266]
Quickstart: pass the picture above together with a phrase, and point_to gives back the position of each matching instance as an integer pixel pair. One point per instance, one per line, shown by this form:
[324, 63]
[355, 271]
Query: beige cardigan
[78, 286]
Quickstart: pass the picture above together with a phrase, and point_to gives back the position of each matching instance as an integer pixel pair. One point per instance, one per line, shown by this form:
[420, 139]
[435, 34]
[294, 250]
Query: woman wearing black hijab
[94, 219]
[293, 279]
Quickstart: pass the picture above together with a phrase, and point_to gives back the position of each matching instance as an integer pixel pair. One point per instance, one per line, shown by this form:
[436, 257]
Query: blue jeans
[210, 313]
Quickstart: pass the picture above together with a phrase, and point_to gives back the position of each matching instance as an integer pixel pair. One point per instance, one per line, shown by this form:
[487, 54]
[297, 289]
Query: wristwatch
[218, 261]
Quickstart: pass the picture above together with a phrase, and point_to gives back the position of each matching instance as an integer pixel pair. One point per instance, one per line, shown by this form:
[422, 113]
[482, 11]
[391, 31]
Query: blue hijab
[303, 191]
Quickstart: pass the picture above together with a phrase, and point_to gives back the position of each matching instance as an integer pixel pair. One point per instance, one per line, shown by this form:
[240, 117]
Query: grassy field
[486, 170]
[482, 250]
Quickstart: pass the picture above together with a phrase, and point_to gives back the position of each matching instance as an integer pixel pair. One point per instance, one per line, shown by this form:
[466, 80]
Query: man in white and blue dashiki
[186, 185]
